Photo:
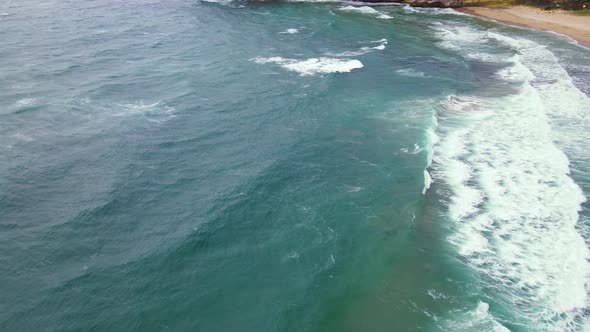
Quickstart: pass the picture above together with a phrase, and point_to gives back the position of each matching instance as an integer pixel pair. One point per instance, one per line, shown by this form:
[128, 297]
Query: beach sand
[576, 27]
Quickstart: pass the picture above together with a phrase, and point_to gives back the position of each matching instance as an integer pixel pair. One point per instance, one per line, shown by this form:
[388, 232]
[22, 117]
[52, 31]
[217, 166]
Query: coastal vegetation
[579, 5]
[582, 7]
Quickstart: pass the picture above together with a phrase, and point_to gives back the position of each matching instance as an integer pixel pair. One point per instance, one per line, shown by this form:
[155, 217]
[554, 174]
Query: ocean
[190, 165]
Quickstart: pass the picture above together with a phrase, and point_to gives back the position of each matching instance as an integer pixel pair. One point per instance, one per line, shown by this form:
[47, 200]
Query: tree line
[558, 4]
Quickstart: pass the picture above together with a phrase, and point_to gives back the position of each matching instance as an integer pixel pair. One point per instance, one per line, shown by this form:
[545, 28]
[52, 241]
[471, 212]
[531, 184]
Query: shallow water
[228, 166]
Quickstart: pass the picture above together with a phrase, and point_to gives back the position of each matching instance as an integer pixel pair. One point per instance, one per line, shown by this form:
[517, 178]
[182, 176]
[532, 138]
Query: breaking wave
[313, 66]
[513, 205]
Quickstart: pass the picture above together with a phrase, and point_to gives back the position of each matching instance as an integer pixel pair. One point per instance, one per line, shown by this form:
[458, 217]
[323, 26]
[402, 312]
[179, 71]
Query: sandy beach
[576, 27]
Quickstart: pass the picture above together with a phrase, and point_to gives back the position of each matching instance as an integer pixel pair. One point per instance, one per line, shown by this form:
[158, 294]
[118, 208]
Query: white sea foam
[360, 9]
[290, 31]
[409, 9]
[293, 255]
[384, 17]
[440, 11]
[313, 66]
[427, 182]
[363, 50]
[25, 102]
[431, 140]
[410, 72]
[564, 103]
[516, 71]
[154, 112]
[416, 149]
[458, 37]
[352, 189]
[478, 319]
[23, 137]
[436, 295]
[513, 203]
[366, 10]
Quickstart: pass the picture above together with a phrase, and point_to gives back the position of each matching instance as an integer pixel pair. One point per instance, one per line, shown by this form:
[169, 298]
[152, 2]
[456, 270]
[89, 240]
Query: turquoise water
[230, 166]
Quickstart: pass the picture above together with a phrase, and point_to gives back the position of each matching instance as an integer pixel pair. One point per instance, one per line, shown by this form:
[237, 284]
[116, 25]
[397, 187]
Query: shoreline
[575, 27]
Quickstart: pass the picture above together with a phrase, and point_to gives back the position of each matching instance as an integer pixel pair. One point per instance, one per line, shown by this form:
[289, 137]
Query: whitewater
[513, 202]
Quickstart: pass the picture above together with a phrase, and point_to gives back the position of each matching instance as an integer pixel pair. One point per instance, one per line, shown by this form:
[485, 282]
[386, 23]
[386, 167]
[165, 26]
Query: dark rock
[424, 3]
[435, 3]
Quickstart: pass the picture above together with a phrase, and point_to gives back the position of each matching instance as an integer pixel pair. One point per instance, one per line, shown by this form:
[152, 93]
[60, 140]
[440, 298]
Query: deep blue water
[231, 166]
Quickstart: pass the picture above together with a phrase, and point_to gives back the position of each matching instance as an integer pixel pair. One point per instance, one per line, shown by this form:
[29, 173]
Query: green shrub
[558, 4]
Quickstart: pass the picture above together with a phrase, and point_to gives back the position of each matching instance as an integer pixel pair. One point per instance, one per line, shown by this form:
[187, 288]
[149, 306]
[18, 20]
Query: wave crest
[313, 66]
